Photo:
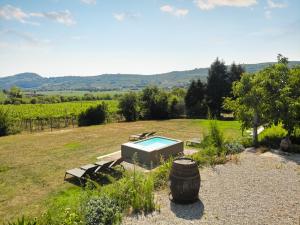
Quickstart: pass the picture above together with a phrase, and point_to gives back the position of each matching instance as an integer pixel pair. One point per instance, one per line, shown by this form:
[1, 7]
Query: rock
[285, 144]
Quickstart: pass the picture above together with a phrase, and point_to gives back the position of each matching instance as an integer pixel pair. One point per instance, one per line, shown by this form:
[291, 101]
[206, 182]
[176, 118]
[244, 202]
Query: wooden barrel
[184, 181]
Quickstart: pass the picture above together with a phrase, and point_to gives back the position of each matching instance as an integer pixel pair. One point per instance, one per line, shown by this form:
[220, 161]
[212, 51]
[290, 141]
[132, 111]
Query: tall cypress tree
[217, 87]
[234, 74]
[195, 99]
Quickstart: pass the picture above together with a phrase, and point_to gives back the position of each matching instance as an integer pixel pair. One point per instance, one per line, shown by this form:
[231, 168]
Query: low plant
[72, 218]
[23, 221]
[233, 147]
[134, 192]
[161, 174]
[272, 136]
[102, 210]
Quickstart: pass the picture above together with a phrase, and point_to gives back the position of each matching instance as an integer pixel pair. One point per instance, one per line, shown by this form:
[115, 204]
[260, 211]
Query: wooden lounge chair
[82, 172]
[106, 166]
[150, 134]
[193, 142]
[103, 165]
[135, 137]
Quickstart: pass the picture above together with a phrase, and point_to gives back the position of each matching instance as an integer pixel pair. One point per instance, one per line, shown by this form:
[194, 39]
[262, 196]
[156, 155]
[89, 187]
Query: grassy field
[32, 165]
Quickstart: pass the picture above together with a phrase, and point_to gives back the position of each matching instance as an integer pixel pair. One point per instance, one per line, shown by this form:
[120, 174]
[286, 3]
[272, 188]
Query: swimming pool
[150, 151]
[155, 143]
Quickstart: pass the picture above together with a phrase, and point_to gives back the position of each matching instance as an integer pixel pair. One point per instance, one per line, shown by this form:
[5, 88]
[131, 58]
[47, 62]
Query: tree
[176, 108]
[195, 99]
[248, 104]
[268, 97]
[217, 86]
[234, 74]
[154, 103]
[15, 92]
[129, 106]
[93, 115]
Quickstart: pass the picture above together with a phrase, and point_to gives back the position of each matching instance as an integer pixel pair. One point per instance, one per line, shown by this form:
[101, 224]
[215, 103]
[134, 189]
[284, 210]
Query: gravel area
[259, 189]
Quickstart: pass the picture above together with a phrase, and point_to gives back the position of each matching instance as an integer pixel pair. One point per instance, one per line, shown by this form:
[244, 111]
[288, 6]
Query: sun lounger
[135, 137]
[105, 166]
[193, 142]
[150, 134]
[82, 172]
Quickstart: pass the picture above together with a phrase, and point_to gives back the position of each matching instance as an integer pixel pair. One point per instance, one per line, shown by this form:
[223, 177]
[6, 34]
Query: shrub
[272, 136]
[102, 211]
[134, 191]
[6, 124]
[93, 115]
[129, 106]
[233, 147]
[71, 218]
[161, 174]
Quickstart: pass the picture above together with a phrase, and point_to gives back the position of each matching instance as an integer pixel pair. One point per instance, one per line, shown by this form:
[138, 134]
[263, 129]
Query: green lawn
[32, 166]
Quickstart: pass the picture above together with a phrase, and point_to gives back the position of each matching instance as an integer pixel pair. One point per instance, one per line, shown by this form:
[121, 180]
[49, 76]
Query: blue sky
[91, 37]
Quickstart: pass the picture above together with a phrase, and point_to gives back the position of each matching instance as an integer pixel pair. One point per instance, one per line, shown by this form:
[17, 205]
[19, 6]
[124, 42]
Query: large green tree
[129, 106]
[195, 99]
[270, 96]
[217, 86]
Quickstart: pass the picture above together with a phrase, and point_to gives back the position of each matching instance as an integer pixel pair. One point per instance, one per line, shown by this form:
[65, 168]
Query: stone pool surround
[150, 158]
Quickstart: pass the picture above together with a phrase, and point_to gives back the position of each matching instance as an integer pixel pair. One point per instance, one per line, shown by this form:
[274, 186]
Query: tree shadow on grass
[192, 211]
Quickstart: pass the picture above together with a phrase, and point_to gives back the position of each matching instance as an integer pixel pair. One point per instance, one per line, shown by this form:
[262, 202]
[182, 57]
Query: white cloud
[90, 2]
[210, 4]
[63, 17]
[24, 37]
[272, 4]
[9, 12]
[174, 11]
[268, 14]
[124, 15]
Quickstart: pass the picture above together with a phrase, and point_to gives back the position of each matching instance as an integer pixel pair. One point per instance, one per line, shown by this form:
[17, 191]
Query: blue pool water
[156, 142]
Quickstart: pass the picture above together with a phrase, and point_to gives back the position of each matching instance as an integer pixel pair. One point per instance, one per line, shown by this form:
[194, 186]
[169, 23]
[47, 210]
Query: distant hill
[32, 81]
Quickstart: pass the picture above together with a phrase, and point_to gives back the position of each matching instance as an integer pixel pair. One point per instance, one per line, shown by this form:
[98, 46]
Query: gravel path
[260, 189]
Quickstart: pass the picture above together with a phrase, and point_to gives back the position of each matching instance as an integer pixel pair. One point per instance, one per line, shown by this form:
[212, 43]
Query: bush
[272, 136]
[6, 124]
[161, 174]
[233, 147]
[129, 106]
[135, 191]
[93, 115]
[102, 211]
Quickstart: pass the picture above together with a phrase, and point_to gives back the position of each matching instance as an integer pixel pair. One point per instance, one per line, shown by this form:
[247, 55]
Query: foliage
[102, 211]
[129, 106]
[272, 136]
[217, 87]
[176, 107]
[93, 115]
[6, 124]
[71, 218]
[268, 97]
[161, 174]
[57, 110]
[234, 74]
[233, 147]
[23, 221]
[154, 103]
[134, 191]
[195, 99]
